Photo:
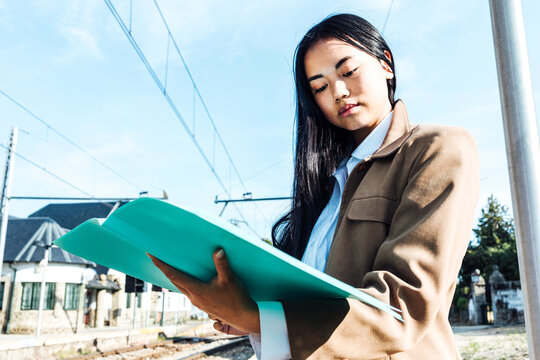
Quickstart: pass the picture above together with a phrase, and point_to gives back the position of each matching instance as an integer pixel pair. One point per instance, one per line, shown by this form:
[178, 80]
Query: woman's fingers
[218, 325]
[223, 296]
[224, 273]
[182, 281]
[224, 328]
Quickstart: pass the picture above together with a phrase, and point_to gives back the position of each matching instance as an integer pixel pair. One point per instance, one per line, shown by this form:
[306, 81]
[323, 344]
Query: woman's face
[349, 86]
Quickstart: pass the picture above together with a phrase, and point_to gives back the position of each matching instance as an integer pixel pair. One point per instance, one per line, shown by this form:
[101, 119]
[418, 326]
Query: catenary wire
[48, 172]
[173, 105]
[196, 89]
[387, 17]
[25, 109]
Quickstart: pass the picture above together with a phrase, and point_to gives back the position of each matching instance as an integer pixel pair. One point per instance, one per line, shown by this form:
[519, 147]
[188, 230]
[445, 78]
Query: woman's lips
[347, 109]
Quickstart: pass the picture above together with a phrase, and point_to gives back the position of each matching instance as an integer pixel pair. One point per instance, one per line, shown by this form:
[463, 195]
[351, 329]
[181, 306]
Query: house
[78, 292]
[65, 276]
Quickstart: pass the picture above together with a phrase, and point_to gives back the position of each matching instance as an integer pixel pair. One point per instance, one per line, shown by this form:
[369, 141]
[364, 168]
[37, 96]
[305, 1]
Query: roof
[9, 217]
[100, 285]
[70, 215]
[24, 237]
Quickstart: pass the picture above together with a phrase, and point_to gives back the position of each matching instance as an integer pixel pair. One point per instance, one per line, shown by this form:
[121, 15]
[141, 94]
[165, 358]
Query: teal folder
[187, 239]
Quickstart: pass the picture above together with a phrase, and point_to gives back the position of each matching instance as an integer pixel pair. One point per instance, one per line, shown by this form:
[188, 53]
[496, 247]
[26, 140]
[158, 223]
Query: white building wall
[58, 273]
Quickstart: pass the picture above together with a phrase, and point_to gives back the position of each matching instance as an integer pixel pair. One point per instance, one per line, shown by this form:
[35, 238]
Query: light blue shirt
[273, 342]
[322, 234]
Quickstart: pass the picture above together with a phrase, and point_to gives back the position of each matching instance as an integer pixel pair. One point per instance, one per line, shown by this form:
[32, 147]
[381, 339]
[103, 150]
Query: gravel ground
[474, 343]
[238, 353]
[492, 343]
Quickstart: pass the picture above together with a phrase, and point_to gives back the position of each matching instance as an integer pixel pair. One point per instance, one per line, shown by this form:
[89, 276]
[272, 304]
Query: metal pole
[4, 201]
[226, 201]
[134, 311]
[523, 151]
[163, 308]
[79, 198]
[42, 289]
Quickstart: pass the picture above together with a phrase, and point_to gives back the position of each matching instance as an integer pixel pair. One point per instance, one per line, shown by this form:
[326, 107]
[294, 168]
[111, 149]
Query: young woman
[378, 203]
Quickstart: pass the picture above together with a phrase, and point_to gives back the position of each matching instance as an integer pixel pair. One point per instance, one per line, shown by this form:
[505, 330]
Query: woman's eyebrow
[338, 65]
[342, 61]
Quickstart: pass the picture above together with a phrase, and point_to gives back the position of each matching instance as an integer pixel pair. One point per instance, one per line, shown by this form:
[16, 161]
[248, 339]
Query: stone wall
[6, 279]
[57, 320]
[507, 302]
[60, 320]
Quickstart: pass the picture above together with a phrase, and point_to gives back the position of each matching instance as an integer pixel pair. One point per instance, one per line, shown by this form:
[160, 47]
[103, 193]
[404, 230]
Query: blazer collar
[400, 129]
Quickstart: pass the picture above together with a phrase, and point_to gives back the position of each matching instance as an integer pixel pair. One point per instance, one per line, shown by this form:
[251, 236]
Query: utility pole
[134, 324]
[164, 294]
[6, 188]
[523, 152]
[43, 265]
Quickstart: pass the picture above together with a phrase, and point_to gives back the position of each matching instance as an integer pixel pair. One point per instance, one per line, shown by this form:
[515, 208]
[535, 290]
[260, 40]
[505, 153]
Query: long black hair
[320, 146]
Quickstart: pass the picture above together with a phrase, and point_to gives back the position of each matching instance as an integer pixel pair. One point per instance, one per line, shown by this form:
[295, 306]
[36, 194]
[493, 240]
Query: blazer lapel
[400, 129]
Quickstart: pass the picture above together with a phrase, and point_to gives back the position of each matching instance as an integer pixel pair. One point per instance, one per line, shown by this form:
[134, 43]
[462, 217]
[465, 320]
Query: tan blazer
[403, 229]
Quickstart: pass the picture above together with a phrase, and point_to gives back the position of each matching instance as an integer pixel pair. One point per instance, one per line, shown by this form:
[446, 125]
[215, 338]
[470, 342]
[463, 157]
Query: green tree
[495, 244]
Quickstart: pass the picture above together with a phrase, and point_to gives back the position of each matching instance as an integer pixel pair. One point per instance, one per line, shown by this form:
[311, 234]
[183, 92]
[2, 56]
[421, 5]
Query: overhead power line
[258, 173]
[387, 16]
[163, 89]
[49, 127]
[49, 172]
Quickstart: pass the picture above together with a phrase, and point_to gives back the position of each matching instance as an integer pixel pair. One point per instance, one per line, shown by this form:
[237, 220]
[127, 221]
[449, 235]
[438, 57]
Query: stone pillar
[92, 307]
[59, 296]
[100, 308]
[116, 307]
[17, 297]
[479, 296]
[80, 309]
[16, 318]
[495, 278]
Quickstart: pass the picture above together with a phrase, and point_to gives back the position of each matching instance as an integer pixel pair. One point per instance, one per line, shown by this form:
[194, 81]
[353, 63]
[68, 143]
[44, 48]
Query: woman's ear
[386, 67]
[388, 56]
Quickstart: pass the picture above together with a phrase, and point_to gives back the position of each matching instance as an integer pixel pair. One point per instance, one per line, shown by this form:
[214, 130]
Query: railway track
[178, 348]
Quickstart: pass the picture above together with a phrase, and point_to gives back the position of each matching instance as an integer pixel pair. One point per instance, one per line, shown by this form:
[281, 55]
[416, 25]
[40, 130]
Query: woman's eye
[316, 91]
[350, 73]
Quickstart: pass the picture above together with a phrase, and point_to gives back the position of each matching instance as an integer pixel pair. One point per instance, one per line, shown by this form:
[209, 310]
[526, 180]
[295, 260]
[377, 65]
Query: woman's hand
[223, 297]
[226, 328]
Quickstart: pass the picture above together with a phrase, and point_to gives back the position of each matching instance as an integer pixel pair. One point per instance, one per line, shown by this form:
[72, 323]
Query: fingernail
[220, 254]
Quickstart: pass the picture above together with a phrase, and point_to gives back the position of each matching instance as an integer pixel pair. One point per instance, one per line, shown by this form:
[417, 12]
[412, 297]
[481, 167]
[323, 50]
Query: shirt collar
[367, 147]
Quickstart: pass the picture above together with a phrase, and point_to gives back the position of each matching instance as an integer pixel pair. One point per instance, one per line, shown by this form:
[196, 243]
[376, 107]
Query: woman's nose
[340, 91]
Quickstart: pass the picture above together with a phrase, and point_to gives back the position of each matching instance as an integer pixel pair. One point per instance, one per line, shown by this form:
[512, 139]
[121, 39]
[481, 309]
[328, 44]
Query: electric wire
[387, 17]
[173, 106]
[48, 172]
[196, 89]
[49, 127]
[260, 172]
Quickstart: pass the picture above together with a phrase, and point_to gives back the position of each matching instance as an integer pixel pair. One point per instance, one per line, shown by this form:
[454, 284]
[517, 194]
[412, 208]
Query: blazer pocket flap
[375, 208]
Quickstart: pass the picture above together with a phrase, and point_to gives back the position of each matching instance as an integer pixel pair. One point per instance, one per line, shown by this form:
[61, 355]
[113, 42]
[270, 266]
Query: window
[30, 296]
[2, 285]
[71, 299]
[128, 300]
[139, 300]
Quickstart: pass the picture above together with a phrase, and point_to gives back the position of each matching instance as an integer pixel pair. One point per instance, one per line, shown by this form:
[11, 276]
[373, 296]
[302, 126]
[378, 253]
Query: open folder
[187, 239]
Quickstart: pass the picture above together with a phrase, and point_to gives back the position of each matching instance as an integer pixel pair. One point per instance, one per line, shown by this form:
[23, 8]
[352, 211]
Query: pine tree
[495, 244]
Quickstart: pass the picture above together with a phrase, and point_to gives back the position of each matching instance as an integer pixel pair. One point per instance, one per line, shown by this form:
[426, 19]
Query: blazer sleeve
[415, 267]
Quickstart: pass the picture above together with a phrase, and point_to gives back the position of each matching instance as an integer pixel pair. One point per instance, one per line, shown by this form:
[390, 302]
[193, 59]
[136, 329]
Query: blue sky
[70, 64]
